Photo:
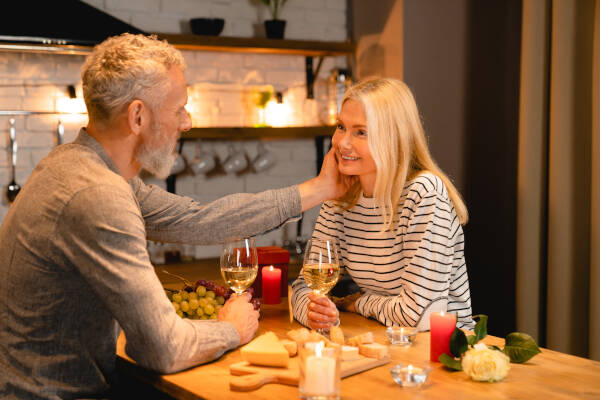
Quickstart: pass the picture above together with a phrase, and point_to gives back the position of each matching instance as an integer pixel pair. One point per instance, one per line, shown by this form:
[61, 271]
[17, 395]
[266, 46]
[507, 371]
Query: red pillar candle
[271, 282]
[442, 325]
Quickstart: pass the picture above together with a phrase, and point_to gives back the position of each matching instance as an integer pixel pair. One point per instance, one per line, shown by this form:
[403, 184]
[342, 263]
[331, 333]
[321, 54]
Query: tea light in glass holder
[401, 335]
[409, 375]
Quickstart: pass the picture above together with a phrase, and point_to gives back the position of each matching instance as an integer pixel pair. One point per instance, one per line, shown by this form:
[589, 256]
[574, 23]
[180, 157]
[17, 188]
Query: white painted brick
[11, 103]
[217, 59]
[68, 69]
[152, 23]
[241, 27]
[35, 67]
[255, 183]
[192, 8]
[230, 120]
[229, 75]
[253, 77]
[318, 16]
[339, 5]
[195, 75]
[38, 103]
[286, 77]
[10, 66]
[218, 185]
[266, 62]
[12, 91]
[133, 5]
[41, 123]
[290, 13]
[35, 140]
[336, 34]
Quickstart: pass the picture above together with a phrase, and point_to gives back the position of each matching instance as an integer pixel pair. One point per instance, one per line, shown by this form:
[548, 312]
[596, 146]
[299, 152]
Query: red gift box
[278, 258]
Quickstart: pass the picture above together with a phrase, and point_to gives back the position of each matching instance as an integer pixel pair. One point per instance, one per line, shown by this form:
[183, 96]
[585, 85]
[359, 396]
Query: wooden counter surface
[548, 375]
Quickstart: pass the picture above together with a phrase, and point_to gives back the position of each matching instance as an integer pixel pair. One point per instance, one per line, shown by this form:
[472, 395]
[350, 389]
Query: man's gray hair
[124, 68]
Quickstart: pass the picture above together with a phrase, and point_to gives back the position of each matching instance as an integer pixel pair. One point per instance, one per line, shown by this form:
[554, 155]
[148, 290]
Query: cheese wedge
[290, 346]
[363, 338]
[373, 350]
[266, 350]
[336, 335]
[349, 353]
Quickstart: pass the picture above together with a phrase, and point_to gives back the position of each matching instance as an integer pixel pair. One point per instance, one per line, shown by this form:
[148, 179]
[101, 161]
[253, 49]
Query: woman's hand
[321, 313]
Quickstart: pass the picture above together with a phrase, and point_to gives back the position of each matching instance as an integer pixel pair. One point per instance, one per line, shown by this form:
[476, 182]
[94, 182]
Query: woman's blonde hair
[124, 68]
[397, 144]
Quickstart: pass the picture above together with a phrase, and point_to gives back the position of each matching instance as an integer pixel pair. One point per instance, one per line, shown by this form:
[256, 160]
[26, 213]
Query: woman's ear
[136, 116]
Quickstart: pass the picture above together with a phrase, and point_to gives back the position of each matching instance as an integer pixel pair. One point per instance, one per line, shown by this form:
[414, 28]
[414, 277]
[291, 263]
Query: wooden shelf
[241, 133]
[258, 45]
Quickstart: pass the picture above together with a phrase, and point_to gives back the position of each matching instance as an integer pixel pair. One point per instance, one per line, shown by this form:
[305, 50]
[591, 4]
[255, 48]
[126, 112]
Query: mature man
[73, 260]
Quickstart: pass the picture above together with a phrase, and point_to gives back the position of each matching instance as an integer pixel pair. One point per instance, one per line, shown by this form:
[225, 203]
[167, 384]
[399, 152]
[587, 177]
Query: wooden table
[550, 375]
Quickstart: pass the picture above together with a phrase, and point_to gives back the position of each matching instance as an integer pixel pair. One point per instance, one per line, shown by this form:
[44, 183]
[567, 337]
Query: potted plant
[275, 27]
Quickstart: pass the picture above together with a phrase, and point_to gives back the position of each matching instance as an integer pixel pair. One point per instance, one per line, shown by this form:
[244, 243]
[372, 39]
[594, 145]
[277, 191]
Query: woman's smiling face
[351, 144]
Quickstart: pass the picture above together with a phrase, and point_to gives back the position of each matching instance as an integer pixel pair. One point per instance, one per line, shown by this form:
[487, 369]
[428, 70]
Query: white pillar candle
[320, 376]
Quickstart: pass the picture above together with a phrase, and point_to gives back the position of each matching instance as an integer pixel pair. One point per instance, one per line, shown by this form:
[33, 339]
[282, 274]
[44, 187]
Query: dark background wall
[461, 59]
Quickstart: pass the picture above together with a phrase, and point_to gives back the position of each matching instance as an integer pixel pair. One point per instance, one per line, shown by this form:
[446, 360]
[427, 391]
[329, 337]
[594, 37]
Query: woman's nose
[344, 141]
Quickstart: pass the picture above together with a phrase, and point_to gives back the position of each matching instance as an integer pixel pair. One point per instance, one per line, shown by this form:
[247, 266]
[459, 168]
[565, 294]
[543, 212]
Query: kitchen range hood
[56, 26]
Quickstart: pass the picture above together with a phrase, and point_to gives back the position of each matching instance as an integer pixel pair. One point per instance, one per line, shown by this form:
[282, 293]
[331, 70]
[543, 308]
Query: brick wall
[217, 83]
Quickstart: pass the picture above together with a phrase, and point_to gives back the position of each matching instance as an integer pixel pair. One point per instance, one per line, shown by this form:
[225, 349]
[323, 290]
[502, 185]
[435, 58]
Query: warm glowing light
[277, 114]
[71, 106]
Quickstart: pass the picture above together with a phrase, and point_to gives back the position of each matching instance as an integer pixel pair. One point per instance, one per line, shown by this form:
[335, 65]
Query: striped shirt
[401, 273]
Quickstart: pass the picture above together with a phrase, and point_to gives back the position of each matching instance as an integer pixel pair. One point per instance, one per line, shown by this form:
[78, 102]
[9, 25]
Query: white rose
[484, 364]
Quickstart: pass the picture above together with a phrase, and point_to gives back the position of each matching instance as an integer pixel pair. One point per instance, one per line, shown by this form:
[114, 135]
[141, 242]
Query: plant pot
[275, 28]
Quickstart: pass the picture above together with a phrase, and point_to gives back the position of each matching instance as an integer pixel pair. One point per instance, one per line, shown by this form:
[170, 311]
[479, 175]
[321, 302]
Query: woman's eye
[362, 133]
[340, 127]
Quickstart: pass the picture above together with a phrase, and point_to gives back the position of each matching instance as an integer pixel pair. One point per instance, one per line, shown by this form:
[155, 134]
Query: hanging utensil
[13, 188]
[60, 133]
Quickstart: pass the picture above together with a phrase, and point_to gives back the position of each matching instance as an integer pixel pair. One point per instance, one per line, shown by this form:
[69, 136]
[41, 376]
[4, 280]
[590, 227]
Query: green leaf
[520, 347]
[266, 2]
[458, 342]
[450, 362]
[471, 339]
[480, 327]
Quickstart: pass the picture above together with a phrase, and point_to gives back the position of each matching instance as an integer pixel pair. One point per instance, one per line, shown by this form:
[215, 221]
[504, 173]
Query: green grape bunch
[203, 300]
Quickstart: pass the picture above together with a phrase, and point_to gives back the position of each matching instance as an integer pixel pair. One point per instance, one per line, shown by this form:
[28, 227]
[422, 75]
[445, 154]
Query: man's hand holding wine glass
[241, 314]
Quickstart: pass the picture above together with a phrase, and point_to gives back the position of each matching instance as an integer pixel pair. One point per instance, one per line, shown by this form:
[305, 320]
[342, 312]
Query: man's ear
[136, 116]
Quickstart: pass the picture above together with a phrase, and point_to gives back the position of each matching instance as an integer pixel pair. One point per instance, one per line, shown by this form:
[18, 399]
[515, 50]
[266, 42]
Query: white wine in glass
[239, 264]
[321, 266]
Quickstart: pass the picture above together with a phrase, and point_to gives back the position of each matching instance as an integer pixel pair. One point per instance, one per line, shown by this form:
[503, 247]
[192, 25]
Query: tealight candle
[401, 335]
[409, 375]
[442, 325]
[271, 284]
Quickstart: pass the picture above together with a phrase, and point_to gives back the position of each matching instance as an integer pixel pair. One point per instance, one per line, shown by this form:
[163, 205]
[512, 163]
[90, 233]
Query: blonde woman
[400, 226]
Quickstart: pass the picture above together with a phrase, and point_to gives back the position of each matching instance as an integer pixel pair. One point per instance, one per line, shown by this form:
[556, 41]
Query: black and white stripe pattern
[400, 272]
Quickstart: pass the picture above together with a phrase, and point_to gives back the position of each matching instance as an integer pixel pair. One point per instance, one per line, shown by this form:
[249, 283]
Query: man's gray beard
[157, 161]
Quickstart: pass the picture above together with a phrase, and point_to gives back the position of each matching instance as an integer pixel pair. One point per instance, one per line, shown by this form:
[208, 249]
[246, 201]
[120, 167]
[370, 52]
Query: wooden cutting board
[251, 377]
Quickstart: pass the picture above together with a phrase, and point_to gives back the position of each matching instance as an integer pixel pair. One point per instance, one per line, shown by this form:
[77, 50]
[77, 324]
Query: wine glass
[239, 264]
[321, 266]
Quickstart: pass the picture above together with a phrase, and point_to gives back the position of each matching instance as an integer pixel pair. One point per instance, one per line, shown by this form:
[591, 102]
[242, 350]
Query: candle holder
[410, 375]
[320, 371]
[403, 336]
